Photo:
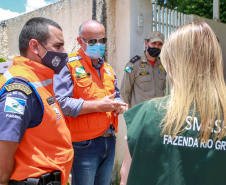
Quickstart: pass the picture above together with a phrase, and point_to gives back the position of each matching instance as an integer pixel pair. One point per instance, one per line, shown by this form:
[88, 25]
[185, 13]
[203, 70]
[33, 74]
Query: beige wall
[66, 13]
[122, 56]
[130, 42]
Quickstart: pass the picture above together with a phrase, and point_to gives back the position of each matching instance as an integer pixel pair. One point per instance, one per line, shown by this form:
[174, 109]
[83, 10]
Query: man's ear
[79, 40]
[146, 43]
[33, 46]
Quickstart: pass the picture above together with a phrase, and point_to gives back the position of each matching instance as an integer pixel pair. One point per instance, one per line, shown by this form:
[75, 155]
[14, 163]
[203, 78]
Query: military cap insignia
[17, 86]
[159, 35]
[134, 59]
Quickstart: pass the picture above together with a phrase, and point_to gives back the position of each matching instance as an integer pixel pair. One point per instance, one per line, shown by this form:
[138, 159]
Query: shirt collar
[100, 62]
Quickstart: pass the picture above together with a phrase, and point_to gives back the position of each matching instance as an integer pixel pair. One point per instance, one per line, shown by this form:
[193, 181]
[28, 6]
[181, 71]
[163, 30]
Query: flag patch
[80, 70]
[128, 69]
[15, 105]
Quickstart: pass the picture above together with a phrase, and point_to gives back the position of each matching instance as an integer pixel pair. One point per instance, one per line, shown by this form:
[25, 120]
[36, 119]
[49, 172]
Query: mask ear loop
[43, 47]
[39, 55]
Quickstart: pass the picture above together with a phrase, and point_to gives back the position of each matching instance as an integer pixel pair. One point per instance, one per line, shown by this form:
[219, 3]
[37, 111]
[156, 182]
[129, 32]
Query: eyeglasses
[91, 42]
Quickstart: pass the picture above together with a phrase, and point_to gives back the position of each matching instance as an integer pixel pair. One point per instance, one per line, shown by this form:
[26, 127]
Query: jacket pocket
[145, 78]
[84, 82]
[162, 80]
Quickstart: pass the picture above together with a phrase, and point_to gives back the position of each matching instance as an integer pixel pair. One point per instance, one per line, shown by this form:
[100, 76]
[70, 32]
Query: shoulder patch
[128, 69]
[71, 59]
[15, 105]
[17, 86]
[134, 59]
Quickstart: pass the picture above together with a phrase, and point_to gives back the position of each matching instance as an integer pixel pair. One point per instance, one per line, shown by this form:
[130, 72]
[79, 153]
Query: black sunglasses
[91, 42]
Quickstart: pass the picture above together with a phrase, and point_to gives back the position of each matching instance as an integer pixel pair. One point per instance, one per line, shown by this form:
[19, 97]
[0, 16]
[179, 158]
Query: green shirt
[159, 160]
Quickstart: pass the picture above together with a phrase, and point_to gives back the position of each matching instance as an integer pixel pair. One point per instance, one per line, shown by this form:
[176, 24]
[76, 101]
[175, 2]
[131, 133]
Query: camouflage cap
[156, 36]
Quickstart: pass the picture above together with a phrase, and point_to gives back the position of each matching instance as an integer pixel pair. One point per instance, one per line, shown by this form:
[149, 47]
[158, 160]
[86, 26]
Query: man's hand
[106, 104]
[121, 109]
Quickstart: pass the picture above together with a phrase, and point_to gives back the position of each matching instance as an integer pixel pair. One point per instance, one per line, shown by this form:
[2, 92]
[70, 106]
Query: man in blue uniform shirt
[21, 105]
[93, 162]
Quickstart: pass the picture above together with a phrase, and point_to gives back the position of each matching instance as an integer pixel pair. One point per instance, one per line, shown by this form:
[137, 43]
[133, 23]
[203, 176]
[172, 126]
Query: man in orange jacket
[35, 143]
[89, 97]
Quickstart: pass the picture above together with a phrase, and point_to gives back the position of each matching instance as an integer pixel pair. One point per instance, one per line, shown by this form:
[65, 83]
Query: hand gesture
[106, 104]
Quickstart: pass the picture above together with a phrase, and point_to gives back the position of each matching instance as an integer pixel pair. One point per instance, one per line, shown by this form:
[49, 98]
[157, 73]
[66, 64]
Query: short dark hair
[35, 28]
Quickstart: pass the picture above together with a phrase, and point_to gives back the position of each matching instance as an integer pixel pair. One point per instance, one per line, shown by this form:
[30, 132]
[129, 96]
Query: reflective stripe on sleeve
[42, 83]
[7, 75]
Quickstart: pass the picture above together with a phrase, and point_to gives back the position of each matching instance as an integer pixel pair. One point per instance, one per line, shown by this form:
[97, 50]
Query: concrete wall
[67, 13]
[143, 10]
[122, 56]
[130, 42]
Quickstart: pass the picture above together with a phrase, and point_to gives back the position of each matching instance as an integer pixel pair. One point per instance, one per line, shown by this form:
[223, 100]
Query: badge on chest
[144, 72]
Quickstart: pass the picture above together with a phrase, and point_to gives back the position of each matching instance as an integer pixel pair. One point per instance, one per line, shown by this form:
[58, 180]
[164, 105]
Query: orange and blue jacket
[46, 147]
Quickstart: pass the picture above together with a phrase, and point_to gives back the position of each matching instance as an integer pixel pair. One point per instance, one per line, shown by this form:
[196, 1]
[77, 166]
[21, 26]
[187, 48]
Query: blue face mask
[54, 60]
[96, 51]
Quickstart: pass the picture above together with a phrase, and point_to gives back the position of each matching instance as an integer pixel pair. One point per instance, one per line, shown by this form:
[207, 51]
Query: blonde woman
[180, 139]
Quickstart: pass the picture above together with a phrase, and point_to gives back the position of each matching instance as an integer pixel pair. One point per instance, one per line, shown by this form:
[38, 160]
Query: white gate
[166, 21]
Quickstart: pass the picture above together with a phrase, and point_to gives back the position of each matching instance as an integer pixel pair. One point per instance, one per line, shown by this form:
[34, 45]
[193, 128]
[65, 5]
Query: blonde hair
[193, 60]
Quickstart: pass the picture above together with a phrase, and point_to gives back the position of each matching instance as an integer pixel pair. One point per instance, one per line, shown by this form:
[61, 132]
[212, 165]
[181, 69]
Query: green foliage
[203, 8]
[116, 174]
[2, 60]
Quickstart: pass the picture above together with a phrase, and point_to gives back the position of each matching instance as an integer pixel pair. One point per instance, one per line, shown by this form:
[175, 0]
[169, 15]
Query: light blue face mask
[96, 51]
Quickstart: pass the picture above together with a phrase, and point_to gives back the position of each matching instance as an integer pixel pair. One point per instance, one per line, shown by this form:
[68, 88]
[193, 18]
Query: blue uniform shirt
[18, 112]
[63, 88]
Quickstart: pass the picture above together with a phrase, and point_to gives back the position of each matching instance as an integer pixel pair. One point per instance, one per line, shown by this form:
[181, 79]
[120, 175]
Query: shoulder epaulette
[73, 58]
[134, 59]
